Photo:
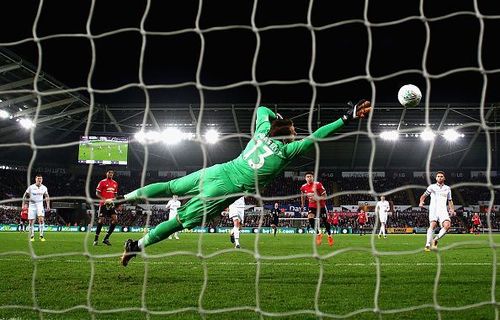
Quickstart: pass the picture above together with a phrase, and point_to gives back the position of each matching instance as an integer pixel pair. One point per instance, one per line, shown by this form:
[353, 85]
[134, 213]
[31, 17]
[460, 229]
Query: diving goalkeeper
[212, 189]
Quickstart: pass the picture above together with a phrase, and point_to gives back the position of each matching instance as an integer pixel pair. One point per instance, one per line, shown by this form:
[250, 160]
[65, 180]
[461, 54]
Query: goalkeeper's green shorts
[204, 185]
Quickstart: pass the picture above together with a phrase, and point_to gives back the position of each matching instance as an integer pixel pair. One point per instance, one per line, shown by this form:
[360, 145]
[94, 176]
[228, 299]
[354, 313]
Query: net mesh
[262, 259]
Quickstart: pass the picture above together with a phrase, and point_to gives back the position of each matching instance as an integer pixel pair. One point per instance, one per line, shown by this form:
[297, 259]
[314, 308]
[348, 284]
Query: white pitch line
[360, 264]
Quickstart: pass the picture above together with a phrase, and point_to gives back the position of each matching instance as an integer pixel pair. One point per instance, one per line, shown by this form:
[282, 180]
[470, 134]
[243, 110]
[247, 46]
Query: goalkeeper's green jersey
[264, 157]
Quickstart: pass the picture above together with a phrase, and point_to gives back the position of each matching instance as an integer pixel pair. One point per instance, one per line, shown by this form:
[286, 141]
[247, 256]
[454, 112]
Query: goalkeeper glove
[352, 111]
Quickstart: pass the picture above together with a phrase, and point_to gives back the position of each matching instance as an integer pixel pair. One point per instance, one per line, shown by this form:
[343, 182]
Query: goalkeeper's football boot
[42, 239]
[32, 239]
[131, 250]
[427, 249]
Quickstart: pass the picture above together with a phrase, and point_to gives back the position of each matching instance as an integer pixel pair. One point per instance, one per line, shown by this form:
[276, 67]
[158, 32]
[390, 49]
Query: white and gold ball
[409, 95]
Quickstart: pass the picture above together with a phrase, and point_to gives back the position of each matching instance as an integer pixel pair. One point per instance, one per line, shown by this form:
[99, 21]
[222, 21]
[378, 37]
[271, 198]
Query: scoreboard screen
[103, 150]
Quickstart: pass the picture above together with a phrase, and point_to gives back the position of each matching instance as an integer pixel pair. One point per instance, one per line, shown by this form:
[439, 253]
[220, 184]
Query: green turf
[103, 150]
[261, 288]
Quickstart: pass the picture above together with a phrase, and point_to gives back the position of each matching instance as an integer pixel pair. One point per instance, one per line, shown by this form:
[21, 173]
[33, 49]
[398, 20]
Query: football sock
[328, 228]
[236, 233]
[98, 231]
[160, 189]
[40, 228]
[311, 223]
[162, 231]
[110, 231]
[441, 234]
[429, 236]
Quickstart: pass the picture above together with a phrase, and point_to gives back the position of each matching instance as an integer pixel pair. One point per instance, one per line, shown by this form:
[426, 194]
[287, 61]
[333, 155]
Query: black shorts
[276, 221]
[106, 212]
[322, 212]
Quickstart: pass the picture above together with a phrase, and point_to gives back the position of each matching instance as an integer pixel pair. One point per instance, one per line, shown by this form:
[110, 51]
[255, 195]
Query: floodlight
[451, 135]
[172, 136]
[212, 136]
[140, 136]
[389, 135]
[427, 135]
[26, 123]
[4, 114]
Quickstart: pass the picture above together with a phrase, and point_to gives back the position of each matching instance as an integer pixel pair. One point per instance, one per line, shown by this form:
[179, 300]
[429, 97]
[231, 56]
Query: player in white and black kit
[382, 209]
[35, 195]
[237, 214]
[440, 197]
[275, 211]
[173, 205]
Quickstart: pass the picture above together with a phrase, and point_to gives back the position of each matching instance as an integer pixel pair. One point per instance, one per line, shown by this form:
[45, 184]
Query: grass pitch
[201, 276]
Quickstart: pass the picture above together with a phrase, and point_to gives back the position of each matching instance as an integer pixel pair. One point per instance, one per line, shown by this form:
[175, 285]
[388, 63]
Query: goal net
[303, 60]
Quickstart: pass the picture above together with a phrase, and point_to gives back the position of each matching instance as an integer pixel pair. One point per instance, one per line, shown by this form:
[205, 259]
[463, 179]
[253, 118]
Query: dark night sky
[285, 54]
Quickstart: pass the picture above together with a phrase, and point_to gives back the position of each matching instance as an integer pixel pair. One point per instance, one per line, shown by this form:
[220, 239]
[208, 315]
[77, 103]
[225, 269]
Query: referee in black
[275, 215]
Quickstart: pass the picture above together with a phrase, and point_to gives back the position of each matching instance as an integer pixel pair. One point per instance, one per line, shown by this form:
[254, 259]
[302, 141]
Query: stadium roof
[62, 118]
[116, 100]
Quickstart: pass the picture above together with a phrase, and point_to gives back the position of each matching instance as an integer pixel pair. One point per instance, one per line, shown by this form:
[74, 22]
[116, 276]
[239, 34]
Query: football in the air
[409, 95]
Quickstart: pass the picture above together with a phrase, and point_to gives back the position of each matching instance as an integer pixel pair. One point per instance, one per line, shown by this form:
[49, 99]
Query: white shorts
[236, 213]
[172, 215]
[35, 210]
[439, 217]
[383, 217]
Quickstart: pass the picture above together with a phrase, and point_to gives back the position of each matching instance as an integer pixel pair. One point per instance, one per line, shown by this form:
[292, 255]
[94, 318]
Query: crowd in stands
[10, 215]
[137, 217]
[14, 183]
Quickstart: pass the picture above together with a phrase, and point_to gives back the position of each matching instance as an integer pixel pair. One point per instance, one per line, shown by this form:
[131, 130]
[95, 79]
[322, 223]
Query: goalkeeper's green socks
[154, 190]
[160, 232]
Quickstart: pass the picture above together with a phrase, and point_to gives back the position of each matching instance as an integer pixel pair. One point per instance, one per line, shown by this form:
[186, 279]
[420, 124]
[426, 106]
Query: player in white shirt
[237, 213]
[35, 195]
[173, 205]
[440, 197]
[382, 209]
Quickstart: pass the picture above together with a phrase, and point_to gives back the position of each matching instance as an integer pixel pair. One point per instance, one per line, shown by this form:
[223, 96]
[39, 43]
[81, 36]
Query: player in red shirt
[23, 219]
[335, 220]
[476, 223]
[316, 197]
[106, 189]
[362, 219]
